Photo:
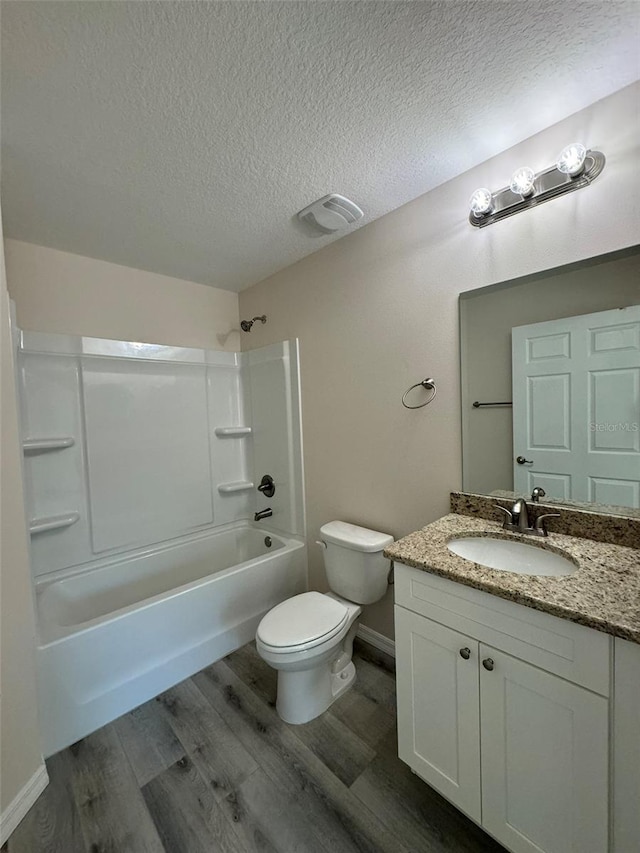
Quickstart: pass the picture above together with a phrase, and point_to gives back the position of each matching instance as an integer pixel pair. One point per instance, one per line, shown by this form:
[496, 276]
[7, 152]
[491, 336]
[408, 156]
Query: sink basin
[508, 555]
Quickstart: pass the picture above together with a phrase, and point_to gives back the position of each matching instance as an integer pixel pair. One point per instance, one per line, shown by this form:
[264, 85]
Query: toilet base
[304, 695]
[342, 681]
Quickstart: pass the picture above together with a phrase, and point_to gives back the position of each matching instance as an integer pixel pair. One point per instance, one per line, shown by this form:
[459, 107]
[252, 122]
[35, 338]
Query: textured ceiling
[181, 137]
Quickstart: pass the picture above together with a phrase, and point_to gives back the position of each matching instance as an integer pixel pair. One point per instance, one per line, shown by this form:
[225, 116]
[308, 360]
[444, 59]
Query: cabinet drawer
[565, 648]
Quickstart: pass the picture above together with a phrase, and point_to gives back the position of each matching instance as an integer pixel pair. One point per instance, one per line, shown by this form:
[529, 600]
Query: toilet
[308, 639]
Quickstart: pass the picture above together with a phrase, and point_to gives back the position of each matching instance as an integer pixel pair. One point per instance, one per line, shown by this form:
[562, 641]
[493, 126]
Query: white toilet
[309, 638]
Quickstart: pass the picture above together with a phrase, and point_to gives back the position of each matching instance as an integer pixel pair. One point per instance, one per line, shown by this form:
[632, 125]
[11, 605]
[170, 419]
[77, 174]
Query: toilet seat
[302, 622]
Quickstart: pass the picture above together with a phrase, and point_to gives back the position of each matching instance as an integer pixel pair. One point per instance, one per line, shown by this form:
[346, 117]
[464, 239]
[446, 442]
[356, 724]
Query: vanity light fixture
[522, 182]
[576, 167]
[481, 202]
[571, 159]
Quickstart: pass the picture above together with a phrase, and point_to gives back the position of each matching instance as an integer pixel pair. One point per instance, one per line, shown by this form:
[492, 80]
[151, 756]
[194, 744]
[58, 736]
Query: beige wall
[377, 311]
[60, 292]
[486, 323]
[19, 734]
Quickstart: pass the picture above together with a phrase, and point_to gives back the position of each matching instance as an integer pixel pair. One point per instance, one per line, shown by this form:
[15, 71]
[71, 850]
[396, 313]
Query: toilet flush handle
[320, 542]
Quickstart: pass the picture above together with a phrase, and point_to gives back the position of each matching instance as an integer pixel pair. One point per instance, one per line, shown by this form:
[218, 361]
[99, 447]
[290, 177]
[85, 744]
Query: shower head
[246, 325]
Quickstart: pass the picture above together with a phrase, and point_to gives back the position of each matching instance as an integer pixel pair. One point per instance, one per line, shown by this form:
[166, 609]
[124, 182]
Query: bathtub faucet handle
[267, 486]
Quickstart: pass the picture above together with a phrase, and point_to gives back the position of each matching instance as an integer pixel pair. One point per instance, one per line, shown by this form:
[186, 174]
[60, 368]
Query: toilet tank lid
[354, 537]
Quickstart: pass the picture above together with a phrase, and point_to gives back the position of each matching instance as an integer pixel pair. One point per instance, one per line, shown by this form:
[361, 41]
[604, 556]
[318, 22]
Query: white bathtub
[116, 635]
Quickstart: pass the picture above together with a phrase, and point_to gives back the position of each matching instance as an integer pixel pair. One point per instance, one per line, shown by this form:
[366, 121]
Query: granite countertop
[603, 593]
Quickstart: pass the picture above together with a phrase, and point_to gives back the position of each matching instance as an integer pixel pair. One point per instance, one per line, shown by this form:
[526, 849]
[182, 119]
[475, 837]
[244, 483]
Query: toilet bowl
[308, 639]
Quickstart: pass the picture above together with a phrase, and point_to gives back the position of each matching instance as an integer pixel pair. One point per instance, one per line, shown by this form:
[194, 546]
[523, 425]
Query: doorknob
[487, 663]
[465, 653]
[522, 461]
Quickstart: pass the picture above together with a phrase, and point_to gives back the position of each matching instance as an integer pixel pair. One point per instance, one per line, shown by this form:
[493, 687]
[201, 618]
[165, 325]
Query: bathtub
[115, 635]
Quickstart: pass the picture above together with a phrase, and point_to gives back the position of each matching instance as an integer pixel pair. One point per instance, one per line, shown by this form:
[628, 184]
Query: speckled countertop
[603, 593]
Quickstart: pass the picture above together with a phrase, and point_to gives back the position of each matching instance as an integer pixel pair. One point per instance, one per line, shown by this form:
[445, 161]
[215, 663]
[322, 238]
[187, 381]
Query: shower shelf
[53, 522]
[228, 432]
[40, 445]
[230, 488]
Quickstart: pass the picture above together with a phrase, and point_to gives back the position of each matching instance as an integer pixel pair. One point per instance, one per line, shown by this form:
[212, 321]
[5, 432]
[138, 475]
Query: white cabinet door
[576, 407]
[544, 759]
[438, 709]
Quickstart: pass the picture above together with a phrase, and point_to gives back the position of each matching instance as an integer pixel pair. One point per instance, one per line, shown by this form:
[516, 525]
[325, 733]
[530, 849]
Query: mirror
[550, 378]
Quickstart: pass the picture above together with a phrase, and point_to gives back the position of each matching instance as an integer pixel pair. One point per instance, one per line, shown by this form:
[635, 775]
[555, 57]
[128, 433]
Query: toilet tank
[356, 569]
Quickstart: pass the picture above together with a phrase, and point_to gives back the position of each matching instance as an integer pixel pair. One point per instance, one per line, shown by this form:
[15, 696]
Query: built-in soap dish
[53, 522]
[43, 445]
[231, 488]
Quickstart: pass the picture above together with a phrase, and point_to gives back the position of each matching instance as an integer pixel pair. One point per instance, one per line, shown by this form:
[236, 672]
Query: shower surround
[141, 466]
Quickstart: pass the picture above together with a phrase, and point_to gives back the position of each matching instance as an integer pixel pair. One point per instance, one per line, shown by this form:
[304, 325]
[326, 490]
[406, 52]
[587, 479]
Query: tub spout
[264, 513]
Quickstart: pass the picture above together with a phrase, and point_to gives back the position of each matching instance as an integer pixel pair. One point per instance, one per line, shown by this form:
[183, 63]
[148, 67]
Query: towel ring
[426, 383]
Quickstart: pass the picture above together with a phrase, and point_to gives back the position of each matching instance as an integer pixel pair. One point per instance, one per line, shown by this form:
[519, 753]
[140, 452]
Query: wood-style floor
[209, 766]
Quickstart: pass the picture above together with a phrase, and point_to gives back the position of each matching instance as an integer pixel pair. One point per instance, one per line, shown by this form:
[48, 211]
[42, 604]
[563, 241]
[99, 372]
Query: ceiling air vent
[331, 213]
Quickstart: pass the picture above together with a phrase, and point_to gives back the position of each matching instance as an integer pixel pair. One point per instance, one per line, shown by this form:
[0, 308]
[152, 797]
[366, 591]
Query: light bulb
[522, 181]
[481, 202]
[571, 159]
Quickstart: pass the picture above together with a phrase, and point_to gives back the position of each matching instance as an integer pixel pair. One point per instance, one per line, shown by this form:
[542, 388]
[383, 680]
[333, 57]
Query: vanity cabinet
[626, 747]
[505, 711]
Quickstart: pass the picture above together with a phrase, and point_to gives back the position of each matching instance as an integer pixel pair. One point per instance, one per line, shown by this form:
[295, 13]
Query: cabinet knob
[465, 653]
[487, 663]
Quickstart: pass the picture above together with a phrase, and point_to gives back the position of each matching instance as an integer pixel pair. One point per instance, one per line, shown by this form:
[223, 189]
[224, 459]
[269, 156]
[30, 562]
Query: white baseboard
[378, 641]
[22, 802]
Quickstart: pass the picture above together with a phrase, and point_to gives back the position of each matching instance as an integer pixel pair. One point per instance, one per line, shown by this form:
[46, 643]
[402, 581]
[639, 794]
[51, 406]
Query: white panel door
[576, 407]
[438, 711]
[544, 759]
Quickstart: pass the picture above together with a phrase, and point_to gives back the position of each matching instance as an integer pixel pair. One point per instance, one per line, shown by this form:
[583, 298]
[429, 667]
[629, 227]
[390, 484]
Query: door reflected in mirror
[551, 384]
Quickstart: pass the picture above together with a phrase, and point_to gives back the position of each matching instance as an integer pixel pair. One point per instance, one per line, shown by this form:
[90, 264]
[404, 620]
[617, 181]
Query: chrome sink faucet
[517, 519]
[520, 515]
